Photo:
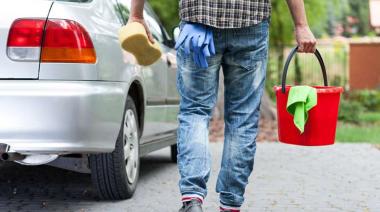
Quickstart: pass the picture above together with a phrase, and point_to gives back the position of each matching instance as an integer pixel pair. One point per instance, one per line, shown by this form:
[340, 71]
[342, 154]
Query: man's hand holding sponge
[135, 37]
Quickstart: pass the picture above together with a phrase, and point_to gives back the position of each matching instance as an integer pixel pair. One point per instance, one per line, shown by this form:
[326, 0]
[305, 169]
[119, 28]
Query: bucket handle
[290, 57]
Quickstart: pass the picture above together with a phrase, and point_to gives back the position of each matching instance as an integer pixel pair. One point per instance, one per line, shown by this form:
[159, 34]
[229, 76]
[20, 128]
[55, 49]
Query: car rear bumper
[60, 117]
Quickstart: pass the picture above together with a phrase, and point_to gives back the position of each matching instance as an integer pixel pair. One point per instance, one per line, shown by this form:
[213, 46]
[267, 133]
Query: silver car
[70, 97]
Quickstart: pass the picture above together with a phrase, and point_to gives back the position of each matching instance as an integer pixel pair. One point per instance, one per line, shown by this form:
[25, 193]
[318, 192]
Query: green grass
[358, 133]
[367, 131]
[369, 117]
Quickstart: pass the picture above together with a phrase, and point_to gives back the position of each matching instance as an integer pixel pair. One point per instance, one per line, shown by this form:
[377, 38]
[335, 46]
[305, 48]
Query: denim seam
[229, 162]
[193, 192]
[229, 205]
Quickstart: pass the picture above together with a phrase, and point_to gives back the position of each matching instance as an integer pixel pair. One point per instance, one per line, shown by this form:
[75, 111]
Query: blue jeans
[242, 54]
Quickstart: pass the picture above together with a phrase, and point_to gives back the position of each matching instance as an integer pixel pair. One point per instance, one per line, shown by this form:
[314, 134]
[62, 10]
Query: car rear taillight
[64, 41]
[67, 41]
[24, 39]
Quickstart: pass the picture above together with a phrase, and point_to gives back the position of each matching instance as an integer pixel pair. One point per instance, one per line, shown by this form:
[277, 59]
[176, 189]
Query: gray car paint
[78, 108]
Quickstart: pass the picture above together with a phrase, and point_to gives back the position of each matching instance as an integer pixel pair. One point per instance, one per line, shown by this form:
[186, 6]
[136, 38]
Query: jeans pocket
[250, 59]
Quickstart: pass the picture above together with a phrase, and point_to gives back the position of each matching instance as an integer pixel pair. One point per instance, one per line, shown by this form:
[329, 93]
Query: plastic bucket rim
[320, 89]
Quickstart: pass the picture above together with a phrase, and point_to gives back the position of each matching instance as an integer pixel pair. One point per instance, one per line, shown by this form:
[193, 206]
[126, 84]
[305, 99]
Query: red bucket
[320, 127]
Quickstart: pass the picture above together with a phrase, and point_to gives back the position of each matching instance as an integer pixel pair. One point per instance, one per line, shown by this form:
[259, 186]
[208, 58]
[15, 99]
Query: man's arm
[305, 38]
[137, 15]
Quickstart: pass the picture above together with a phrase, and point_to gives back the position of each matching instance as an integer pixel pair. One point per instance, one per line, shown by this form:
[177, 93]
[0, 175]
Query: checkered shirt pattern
[225, 13]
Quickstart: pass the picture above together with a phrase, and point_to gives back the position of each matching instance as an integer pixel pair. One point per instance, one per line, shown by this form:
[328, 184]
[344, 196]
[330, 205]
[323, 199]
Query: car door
[155, 81]
[169, 56]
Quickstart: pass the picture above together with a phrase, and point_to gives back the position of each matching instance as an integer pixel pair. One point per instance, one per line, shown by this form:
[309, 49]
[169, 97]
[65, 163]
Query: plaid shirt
[225, 13]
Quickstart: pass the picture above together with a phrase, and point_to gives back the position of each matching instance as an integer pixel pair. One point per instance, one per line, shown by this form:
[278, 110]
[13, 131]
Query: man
[232, 34]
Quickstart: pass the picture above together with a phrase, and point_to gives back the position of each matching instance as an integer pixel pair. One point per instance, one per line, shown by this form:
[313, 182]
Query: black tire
[108, 170]
[173, 153]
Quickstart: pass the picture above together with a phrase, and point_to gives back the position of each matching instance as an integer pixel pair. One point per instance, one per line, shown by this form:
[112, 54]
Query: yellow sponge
[133, 38]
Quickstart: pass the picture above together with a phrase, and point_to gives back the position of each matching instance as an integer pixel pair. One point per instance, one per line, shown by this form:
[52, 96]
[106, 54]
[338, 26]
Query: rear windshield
[78, 1]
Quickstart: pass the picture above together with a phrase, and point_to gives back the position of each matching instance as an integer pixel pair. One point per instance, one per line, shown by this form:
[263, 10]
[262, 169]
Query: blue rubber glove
[198, 39]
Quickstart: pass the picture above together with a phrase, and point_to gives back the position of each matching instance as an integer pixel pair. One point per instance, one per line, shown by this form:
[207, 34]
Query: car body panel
[11, 11]
[100, 21]
[78, 108]
[154, 81]
[42, 116]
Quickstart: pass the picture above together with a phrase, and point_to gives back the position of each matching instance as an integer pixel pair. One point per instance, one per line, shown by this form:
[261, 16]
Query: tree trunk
[280, 62]
[267, 108]
[298, 73]
[219, 109]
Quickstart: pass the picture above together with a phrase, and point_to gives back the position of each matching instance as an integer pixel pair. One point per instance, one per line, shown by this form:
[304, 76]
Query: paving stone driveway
[344, 177]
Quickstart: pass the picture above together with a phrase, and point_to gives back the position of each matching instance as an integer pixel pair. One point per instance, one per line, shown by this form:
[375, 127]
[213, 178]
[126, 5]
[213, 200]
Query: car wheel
[173, 153]
[115, 174]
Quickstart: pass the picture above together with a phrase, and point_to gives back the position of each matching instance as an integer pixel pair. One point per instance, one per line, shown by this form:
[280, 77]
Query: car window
[123, 12]
[151, 12]
[154, 26]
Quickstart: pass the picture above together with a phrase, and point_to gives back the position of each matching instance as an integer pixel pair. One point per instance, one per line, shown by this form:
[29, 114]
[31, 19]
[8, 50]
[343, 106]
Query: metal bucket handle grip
[290, 57]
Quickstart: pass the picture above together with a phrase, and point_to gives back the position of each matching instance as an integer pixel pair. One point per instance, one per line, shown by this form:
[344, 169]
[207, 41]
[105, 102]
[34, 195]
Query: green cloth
[300, 100]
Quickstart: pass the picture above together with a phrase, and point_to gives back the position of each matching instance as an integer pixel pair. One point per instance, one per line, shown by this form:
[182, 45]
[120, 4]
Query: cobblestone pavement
[344, 177]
